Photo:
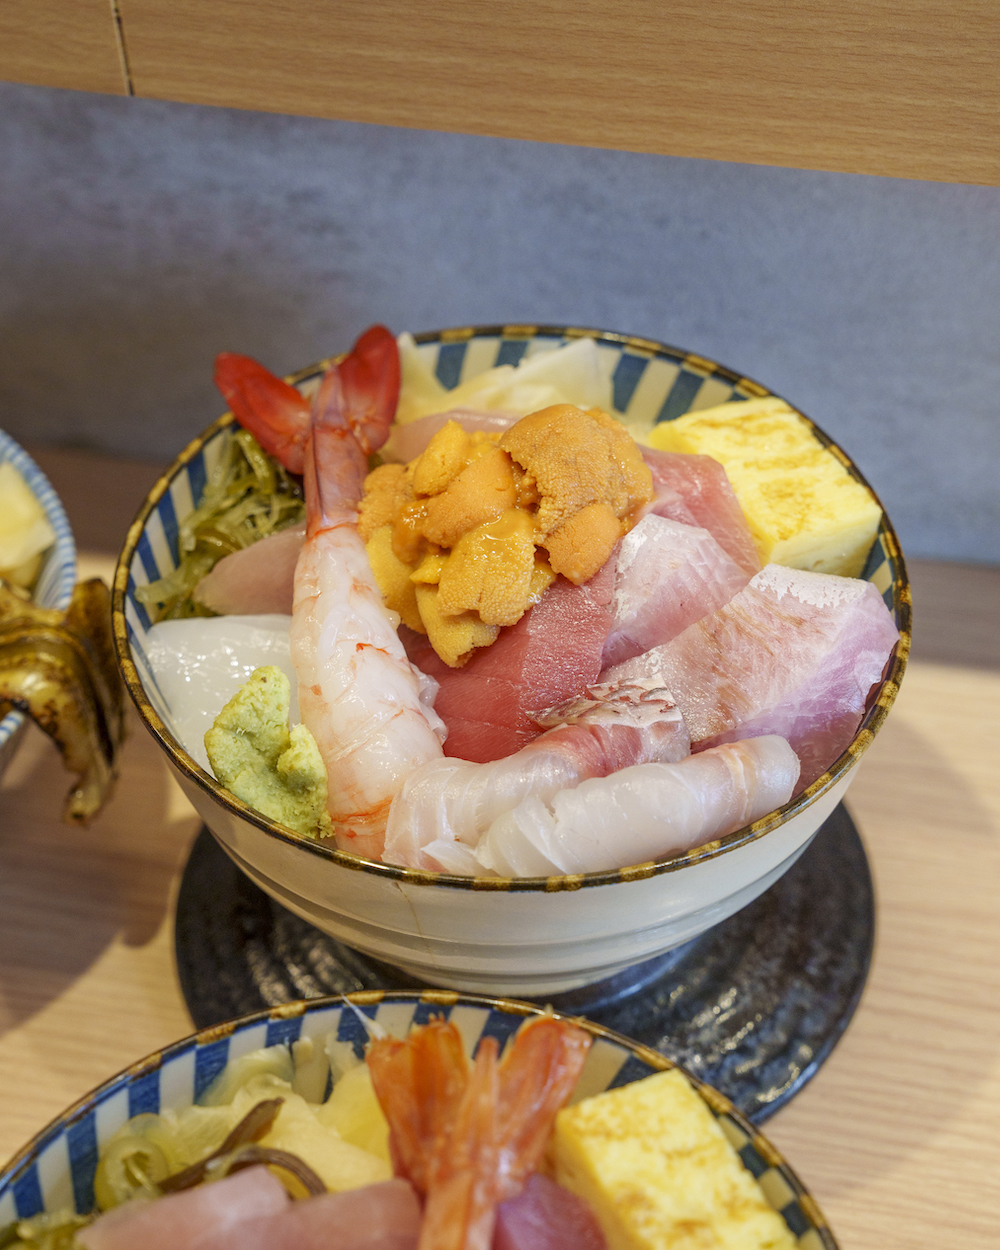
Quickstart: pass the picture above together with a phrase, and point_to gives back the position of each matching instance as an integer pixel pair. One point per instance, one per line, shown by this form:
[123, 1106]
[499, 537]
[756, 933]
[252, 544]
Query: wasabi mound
[277, 770]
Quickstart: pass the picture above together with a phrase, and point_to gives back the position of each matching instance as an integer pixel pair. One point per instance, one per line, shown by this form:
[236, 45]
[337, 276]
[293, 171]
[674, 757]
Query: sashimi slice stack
[793, 654]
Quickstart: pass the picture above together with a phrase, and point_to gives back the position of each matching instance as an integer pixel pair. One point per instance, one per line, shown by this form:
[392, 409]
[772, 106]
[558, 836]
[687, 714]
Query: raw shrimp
[446, 806]
[470, 1139]
[642, 813]
[359, 696]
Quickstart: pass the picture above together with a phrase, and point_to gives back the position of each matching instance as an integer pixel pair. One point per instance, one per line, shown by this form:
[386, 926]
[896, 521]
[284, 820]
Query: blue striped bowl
[532, 936]
[55, 1171]
[54, 587]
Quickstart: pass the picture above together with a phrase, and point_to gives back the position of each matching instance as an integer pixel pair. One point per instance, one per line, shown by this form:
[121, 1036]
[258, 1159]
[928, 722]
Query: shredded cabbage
[248, 497]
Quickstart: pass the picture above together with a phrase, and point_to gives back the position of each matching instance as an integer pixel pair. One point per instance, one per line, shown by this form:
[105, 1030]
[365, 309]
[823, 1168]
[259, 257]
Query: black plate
[753, 1006]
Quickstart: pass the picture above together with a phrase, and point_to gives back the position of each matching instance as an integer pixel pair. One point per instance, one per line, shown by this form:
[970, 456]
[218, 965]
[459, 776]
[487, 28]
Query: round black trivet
[753, 1006]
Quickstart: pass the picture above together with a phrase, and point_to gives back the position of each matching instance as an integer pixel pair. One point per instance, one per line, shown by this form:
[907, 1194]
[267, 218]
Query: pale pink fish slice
[795, 653]
[407, 441]
[544, 1216]
[642, 813]
[375, 1217]
[668, 576]
[446, 805]
[208, 1217]
[257, 580]
[696, 491]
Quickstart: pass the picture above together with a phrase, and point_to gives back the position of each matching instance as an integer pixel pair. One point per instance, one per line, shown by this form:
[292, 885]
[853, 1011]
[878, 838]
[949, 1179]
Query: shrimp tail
[538, 1074]
[419, 1084]
[273, 411]
[361, 391]
[461, 1197]
[351, 416]
[468, 1139]
[357, 397]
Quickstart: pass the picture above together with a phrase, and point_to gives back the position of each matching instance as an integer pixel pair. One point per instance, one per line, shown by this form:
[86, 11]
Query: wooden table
[896, 1136]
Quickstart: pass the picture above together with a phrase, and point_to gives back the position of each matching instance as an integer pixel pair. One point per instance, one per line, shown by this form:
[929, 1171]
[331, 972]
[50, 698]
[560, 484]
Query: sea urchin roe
[466, 537]
[578, 459]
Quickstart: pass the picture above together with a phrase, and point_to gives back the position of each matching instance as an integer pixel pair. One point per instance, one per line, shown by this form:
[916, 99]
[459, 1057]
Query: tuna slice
[551, 654]
[210, 1217]
[256, 580]
[374, 1217]
[794, 654]
[251, 1211]
[695, 491]
[544, 1216]
[446, 805]
[668, 576]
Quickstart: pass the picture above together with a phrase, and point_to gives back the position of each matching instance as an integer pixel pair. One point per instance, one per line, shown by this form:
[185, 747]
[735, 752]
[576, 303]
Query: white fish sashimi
[446, 805]
[668, 576]
[199, 664]
[642, 813]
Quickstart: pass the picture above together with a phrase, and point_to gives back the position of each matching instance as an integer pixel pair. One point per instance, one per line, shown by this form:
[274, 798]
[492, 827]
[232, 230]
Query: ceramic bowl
[54, 587]
[56, 1170]
[529, 937]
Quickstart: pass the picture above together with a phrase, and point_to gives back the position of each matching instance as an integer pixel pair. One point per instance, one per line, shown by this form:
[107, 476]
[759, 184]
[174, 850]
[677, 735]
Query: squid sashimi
[258, 579]
[551, 654]
[445, 806]
[544, 1216]
[795, 653]
[200, 663]
[642, 813]
[203, 1218]
[695, 491]
[668, 576]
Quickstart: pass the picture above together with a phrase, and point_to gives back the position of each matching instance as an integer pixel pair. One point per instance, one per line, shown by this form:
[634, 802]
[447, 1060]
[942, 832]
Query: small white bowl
[54, 587]
[531, 936]
[55, 1171]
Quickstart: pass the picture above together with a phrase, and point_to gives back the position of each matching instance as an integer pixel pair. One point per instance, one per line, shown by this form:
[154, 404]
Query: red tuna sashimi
[668, 576]
[209, 1217]
[551, 654]
[695, 491]
[259, 579]
[544, 1216]
[794, 654]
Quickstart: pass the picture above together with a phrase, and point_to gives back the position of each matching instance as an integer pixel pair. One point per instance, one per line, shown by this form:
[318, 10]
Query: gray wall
[138, 238]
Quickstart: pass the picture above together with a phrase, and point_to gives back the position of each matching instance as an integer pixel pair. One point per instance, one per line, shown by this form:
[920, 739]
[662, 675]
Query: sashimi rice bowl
[511, 656]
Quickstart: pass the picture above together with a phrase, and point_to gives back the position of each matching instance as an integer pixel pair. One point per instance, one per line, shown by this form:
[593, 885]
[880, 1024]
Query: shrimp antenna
[370, 1026]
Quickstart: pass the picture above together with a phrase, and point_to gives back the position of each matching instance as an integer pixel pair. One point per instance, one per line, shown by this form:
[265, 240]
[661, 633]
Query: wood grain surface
[864, 86]
[61, 43]
[896, 1136]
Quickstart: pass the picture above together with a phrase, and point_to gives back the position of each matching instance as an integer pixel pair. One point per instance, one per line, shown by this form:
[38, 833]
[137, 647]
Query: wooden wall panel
[61, 43]
[904, 89]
